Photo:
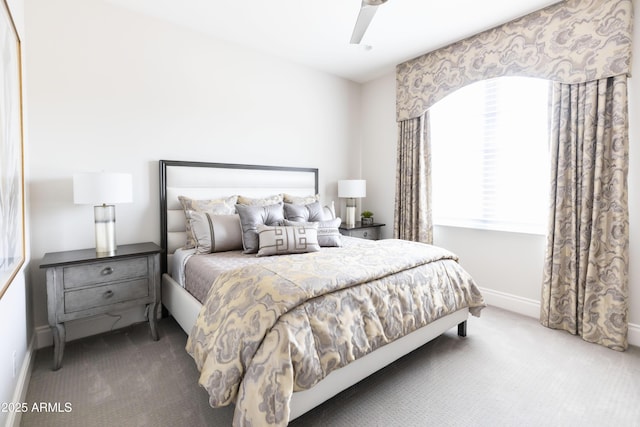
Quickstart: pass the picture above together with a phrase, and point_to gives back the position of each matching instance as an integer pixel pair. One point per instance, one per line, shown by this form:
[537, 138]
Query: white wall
[114, 90]
[508, 266]
[379, 143]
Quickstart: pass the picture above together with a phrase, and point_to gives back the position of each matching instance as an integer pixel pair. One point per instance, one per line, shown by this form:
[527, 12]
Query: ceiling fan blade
[365, 16]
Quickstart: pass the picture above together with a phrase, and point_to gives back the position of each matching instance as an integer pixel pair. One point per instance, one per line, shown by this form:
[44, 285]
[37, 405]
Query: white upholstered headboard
[200, 180]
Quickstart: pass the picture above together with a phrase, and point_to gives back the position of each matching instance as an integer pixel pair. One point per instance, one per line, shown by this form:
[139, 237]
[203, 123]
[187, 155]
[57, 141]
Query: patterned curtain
[585, 288]
[573, 41]
[412, 215]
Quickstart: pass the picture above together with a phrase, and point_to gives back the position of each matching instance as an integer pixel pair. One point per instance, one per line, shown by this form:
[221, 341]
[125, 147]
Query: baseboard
[515, 303]
[531, 308]
[633, 336]
[22, 384]
[43, 337]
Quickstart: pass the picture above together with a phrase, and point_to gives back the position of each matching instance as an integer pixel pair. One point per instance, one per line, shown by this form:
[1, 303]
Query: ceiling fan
[367, 11]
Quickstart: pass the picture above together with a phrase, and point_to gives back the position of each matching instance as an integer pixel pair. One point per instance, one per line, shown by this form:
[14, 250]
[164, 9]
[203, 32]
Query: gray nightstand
[371, 232]
[81, 284]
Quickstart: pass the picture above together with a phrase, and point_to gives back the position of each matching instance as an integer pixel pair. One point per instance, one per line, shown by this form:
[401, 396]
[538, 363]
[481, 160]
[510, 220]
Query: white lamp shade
[352, 188]
[97, 188]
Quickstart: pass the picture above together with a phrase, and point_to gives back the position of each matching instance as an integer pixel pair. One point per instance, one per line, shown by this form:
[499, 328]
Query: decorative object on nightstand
[98, 189]
[352, 189]
[82, 284]
[370, 232]
[367, 217]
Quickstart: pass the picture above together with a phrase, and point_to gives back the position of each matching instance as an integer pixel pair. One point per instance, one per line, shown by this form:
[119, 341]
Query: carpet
[508, 371]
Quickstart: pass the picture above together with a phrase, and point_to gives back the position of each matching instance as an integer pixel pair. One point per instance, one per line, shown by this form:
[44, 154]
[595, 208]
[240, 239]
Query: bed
[318, 323]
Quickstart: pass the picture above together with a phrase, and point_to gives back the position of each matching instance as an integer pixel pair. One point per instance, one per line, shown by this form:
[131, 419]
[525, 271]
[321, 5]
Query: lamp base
[351, 216]
[105, 221]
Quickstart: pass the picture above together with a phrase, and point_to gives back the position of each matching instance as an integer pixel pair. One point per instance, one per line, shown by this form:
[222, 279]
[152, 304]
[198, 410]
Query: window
[490, 156]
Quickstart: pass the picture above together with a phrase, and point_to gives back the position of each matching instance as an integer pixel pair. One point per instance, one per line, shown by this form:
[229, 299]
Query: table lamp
[352, 189]
[103, 190]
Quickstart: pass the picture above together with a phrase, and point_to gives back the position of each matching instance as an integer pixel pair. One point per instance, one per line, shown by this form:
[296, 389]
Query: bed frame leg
[462, 329]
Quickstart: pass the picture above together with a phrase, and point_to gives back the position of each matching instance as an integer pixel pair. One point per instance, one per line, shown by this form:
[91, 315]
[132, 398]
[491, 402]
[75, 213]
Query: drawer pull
[108, 294]
[365, 234]
[106, 271]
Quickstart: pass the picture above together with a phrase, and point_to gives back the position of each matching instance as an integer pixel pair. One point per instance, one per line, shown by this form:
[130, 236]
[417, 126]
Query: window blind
[490, 160]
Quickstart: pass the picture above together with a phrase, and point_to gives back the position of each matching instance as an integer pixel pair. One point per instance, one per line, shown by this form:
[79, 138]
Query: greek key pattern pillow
[281, 240]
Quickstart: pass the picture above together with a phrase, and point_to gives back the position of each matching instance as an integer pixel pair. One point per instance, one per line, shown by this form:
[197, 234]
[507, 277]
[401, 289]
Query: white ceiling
[316, 33]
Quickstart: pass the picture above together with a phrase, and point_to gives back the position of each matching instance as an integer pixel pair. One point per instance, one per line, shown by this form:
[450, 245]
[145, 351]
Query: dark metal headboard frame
[163, 189]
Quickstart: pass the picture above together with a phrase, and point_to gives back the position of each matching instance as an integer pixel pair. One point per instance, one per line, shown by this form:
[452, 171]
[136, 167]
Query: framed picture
[12, 239]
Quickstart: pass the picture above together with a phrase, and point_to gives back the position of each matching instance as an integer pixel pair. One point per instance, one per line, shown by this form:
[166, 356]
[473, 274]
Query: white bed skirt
[185, 309]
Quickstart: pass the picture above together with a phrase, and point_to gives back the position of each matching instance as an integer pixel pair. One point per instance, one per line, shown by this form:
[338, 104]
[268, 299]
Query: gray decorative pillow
[251, 217]
[328, 233]
[262, 201]
[215, 233]
[280, 240]
[304, 213]
[221, 206]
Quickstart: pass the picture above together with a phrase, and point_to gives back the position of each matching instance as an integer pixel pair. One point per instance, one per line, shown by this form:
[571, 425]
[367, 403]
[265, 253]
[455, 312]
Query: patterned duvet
[268, 330]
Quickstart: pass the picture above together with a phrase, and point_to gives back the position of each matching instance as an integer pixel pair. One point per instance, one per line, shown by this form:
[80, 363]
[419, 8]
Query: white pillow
[329, 211]
[298, 200]
[261, 201]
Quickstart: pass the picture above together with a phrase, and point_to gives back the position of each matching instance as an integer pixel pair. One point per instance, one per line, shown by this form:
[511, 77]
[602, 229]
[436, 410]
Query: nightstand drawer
[84, 299]
[370, 232]
[104, 272]
[366, 233]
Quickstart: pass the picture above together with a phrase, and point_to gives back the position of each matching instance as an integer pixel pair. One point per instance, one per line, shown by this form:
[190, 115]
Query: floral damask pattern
[571, 42]
[586, 268]
[268, 330]
[412, 214]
